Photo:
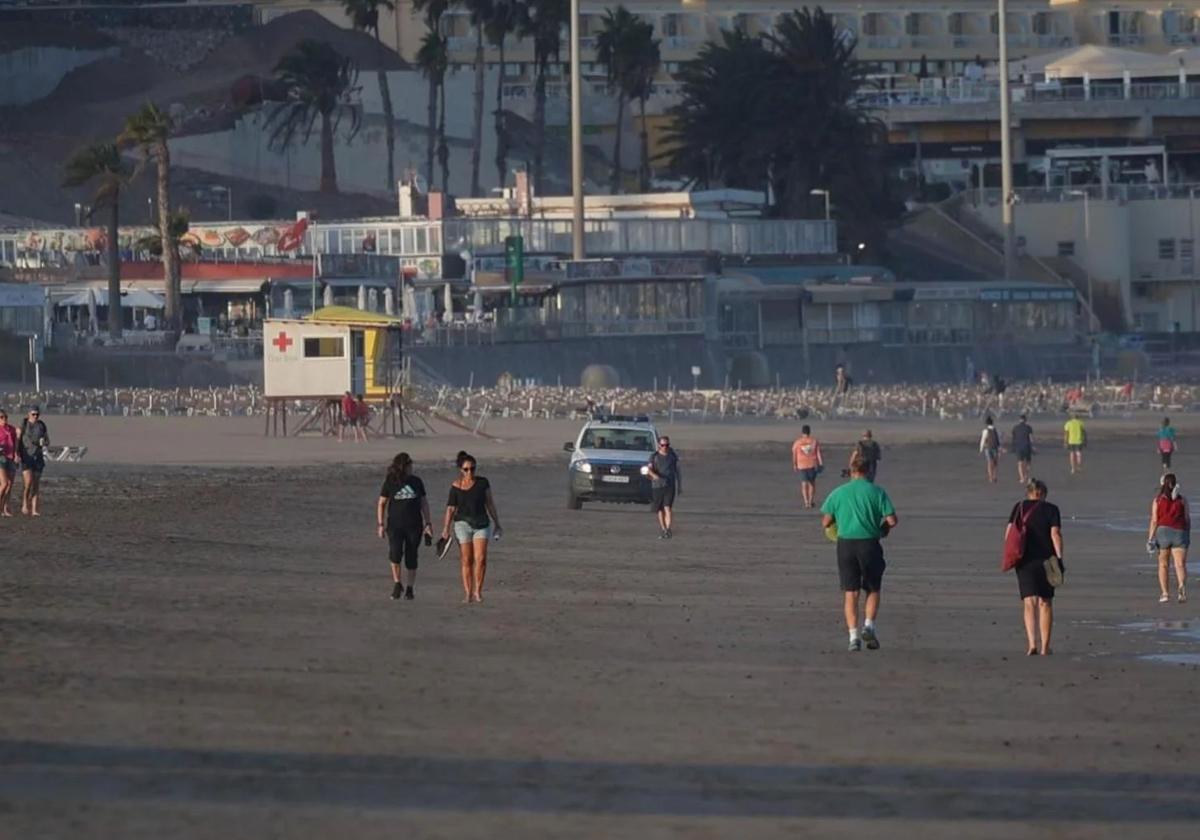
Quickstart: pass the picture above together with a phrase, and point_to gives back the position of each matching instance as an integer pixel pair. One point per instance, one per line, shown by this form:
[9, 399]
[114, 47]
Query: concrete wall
[30, 73]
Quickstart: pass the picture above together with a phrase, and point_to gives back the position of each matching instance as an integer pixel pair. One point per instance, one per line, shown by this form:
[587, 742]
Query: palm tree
[148, 129]
[179, 224]
[433, 59]
[364, 16]
[625, 47]
[101, 163]
[543, 23]
[505, 17]
[645, 68]
[318, 79]
[480, 11]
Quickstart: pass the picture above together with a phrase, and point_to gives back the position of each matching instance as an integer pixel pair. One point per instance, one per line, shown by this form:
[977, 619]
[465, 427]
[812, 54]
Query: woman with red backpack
[1033, 545]
[1170, 535]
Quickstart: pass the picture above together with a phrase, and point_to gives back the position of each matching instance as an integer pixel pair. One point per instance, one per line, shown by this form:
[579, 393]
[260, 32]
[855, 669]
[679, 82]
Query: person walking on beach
[863, 515]
[1022, 447]
[8, 461]
[665, 482]
[1166, 444]
[989, 446]
[403, 517]
[349, 416]
[1075, 439]
[806, 460]
[471, 511]
[1043, 540]
[868, 450]
[1170, 535]
[362, 414]
[33, 440]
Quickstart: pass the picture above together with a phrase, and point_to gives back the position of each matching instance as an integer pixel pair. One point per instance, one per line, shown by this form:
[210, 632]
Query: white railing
[967, 92]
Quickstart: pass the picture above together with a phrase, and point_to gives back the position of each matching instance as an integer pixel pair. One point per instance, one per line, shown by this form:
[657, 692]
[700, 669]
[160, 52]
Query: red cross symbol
[282, 342]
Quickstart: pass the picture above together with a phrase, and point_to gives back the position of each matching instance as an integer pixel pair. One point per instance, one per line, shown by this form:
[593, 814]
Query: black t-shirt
[868, 450]
[404, 503]
[471, 505]
[1022, 437]
[1038, 545]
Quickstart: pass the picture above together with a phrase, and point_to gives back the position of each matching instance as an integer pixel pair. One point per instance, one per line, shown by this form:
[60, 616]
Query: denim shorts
[1171, 537]
[465, 532]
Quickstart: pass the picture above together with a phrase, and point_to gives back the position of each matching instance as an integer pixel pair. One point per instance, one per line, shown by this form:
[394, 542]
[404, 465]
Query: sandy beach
[197, 641]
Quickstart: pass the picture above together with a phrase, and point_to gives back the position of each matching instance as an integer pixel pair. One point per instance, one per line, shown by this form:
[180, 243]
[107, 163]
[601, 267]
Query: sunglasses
[468, 469]
[664, 443]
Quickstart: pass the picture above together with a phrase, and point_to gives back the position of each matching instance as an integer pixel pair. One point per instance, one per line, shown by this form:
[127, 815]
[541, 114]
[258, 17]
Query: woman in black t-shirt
[1043, 540]
[403, 516]
[472, 513]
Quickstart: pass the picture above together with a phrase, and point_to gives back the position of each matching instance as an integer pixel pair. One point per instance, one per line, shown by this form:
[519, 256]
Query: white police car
[608, 461]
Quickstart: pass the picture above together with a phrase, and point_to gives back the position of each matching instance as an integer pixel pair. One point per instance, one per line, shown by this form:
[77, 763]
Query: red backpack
[1014, 539]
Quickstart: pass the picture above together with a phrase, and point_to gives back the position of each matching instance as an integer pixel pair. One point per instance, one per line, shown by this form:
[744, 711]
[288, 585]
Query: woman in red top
[8, 461]
[1170, 535]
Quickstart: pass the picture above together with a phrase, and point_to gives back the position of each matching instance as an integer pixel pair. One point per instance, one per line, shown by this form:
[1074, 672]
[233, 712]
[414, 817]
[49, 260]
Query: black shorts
[403, 546]
[8, 465]
[662, 497]
[1025, 456]
[33, 463]
[1031, 578]
[860, 565]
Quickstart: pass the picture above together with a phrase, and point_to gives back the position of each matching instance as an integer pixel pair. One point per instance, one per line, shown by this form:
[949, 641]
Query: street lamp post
[1087, 243]
[826, 194]
[1006, 177]
[577, 249]
[1192, 253]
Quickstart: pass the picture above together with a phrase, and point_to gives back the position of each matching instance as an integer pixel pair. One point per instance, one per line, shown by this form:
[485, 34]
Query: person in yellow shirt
[1074, 439]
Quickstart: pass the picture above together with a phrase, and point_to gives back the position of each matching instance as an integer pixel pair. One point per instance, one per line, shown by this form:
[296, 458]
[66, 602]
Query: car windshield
[638, 440]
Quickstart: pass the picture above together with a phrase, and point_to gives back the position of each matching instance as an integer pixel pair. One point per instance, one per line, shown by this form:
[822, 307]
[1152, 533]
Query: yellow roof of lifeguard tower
[350, 315]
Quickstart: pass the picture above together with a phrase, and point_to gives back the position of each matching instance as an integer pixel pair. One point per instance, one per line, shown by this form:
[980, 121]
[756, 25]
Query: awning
[134, 299]
[350, 315]
[850, 294]
[355, 282]
[235, 286]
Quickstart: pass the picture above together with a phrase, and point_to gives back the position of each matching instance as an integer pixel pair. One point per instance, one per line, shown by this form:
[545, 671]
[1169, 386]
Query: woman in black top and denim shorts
[472, 513]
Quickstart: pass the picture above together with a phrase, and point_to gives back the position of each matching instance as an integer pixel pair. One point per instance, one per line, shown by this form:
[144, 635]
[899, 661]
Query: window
[604, 437]
[1187, 249]
[1166, 249]
[1066, 249]
[324, 348]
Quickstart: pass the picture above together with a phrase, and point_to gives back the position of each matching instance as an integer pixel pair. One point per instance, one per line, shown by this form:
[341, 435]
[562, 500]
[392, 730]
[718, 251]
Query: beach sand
[197, 641]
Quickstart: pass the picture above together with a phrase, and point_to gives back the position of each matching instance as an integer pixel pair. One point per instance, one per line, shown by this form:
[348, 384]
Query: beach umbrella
[289, 302]
[93, 320]
[362, 297]
[327, 296]
[478, 303]
[389, 301]
[447, 302]
[372, 299]
[47, 317]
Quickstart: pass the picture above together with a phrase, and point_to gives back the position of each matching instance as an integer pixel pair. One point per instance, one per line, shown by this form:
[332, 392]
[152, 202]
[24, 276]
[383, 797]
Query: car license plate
[615, 479]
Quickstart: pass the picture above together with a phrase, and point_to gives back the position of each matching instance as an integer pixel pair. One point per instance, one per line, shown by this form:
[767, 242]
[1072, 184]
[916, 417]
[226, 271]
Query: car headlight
[583, 466]
[645, 470]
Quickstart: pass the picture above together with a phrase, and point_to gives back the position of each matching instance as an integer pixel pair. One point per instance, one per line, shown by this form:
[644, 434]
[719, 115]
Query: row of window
[1168, 249]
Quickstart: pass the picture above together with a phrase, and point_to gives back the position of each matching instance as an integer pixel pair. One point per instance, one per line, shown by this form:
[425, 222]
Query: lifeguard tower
[319, 358]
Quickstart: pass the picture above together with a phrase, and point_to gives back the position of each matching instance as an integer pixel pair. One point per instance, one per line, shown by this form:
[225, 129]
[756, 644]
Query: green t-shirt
[1074, 430]
[859, 508]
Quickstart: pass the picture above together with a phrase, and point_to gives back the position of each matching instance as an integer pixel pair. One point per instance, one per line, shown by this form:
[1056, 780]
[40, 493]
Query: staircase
[1106, 301]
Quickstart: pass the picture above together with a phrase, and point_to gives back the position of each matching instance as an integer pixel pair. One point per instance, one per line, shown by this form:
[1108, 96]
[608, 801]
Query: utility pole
[577, 251]
[1006, 176]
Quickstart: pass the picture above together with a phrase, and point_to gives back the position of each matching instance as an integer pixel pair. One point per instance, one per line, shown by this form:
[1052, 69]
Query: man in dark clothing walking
[665, 482]
[867, 450]
[1022, 447]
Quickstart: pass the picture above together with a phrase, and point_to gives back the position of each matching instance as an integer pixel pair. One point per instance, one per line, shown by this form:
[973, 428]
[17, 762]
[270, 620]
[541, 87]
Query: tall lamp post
[1087, 243]
[577, 250]
[826, 194]
[1006, 178]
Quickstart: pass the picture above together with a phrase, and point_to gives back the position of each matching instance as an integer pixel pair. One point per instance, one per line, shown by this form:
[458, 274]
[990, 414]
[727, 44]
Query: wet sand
[210, 651]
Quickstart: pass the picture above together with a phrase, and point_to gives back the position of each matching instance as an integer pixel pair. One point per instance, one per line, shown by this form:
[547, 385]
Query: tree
[364, 16]
[433, 59]
[506, 16]
[779, 114]
[101, 164]
[629, 52]
[542, 22]
[318, 81]
[480, 11]
[179, 224]
[649, 59]
[148, 129]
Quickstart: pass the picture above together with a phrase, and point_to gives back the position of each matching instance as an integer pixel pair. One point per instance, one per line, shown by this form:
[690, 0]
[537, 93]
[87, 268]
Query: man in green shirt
[863, 514]
[1074, 439]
